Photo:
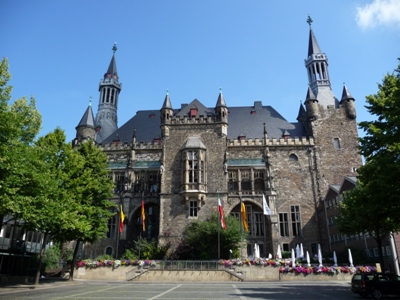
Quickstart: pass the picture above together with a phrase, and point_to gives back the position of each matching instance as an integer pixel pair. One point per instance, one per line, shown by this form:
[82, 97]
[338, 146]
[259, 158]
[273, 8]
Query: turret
[166, 114]
[347, 102]
[86, 129]
[221, 113]
[312, 107]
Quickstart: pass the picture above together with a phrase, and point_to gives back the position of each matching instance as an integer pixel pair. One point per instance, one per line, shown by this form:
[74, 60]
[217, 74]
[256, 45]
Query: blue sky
[254, 50]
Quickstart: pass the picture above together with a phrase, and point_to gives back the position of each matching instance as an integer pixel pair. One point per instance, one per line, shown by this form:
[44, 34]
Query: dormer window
[253, 112]
[241, 137]
[193, 112]
[286, 135]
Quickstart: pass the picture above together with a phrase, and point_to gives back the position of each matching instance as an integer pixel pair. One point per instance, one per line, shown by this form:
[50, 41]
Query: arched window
[293, 157]
[109, 251]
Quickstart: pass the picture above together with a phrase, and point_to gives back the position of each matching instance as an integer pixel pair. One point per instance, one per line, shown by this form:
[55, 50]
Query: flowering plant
[89, 263]
[250, 262]
[326, 270]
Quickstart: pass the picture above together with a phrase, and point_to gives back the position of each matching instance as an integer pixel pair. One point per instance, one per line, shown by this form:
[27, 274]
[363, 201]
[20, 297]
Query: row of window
[374, 252]
[334, 202]
[338, 237]
[290, 223]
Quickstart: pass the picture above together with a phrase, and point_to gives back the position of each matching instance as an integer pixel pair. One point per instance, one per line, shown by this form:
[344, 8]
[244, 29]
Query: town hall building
[180, 158]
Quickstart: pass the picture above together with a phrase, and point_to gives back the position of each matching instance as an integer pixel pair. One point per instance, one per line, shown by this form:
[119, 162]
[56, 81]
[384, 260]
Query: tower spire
[317, 71]
[109, 89]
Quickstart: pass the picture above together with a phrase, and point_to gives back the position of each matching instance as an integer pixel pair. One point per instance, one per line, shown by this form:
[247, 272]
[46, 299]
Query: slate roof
[87, 119]
[313, 47]
[246, 120]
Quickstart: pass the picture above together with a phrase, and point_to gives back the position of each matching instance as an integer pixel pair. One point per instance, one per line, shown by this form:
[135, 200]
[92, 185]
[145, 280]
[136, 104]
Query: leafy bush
[51, 258]
[129, 255]
[104, 257]
[200, 240]
[146, 249]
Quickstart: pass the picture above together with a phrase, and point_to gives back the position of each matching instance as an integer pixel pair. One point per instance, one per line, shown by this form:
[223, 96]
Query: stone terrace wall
[238, 273]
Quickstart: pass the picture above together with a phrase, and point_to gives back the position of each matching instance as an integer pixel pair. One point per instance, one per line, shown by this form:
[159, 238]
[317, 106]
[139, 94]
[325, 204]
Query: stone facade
[237, 154]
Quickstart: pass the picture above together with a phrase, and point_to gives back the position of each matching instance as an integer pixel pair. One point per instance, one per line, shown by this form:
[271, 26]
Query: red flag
[221, 214]
[121, 219]
[143, 217]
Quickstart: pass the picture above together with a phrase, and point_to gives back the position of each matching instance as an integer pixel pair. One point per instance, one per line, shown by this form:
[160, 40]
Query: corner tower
[109, 88]
[317, 71]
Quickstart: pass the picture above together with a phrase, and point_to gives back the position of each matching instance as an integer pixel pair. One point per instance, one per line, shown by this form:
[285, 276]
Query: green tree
[20, 123]
[92, 189]
[69, 193]
[373, 205]
[200, 239]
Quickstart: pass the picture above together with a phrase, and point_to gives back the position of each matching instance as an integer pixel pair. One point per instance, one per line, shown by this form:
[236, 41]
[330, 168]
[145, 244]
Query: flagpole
[240, 220]
[118, 233]
[218, 220]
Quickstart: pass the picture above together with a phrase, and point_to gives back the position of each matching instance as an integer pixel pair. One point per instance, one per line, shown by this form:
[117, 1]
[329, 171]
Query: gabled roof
[201, 109]
[333, 191]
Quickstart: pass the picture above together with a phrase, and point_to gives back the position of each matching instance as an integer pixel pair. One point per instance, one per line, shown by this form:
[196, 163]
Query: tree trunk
[72, 266]
[42, 250]
[379, 239]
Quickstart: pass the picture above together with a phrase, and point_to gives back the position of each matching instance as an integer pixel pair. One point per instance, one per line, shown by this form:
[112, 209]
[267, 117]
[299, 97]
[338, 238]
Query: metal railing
[187, 265]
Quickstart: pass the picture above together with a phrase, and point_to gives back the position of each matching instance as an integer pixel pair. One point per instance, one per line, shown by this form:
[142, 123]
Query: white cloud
[379, 12]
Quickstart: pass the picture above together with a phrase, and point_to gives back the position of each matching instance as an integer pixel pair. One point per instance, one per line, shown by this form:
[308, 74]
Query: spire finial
[114, 48]
[90, 101]
[309, 21]
[220, 90]
[167, 92]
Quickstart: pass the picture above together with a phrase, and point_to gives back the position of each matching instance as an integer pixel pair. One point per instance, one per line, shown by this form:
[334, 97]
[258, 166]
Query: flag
[244, 218]
[221, 214]
[143, 217]
[121, 219]
[267, 211]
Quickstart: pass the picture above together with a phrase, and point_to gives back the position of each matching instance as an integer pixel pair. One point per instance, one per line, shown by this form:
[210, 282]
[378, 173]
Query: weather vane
[90, 101]
[309, 20]
[114, 48]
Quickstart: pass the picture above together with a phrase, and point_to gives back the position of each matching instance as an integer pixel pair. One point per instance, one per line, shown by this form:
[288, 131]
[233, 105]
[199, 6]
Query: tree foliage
[200, 240]
[45, 184]
[20, 122]
[373, 205]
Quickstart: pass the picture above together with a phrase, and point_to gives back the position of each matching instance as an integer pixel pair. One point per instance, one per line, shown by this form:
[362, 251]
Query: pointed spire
[87, 119]
[302, 113]
[112, 68]
[310, 95]
[167, 102]
[313, 46]
[346, 94]
[221, 100]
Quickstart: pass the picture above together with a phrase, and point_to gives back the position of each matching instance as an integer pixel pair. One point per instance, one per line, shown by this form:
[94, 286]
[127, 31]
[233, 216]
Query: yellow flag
[121, 219]
[244, 217]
